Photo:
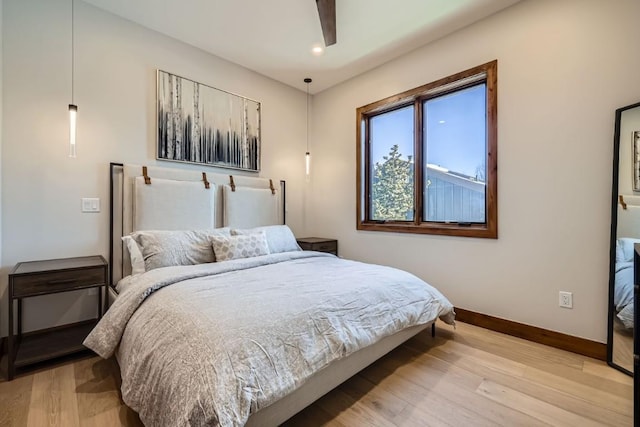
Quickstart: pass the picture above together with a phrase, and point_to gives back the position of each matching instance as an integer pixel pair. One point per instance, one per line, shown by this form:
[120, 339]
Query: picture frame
[201, 124]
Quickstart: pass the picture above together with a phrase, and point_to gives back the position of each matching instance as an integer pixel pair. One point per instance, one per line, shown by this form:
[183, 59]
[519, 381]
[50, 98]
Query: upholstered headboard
[161, 198]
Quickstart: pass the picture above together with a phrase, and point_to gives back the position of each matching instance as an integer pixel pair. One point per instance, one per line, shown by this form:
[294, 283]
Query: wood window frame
[417, 96]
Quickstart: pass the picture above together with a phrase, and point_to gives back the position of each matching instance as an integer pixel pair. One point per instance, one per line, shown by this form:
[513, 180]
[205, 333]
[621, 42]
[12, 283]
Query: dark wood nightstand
[35, 278]
[319, 244]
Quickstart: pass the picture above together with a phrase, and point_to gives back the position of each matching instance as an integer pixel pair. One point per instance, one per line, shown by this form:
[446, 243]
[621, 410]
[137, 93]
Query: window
[448, 129]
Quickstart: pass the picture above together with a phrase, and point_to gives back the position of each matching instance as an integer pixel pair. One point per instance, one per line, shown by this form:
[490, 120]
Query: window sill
[475, 230]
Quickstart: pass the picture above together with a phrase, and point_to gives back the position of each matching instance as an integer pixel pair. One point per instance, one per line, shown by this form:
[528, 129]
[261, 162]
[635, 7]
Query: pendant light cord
[72, 48]
[307, 117]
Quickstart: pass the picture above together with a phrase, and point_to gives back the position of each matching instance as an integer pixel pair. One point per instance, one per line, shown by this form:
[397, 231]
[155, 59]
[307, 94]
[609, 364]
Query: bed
[257, 335]
[624, 281]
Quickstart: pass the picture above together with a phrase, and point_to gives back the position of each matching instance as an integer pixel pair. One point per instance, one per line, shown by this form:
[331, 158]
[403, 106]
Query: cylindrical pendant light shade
[73, 113]
[307, 155]
[73, 108]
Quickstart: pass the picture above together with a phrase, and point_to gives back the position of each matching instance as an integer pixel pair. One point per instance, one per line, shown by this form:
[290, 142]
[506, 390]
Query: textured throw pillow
[135, 255]
[244, 246]
[161, 248]
[280, 238]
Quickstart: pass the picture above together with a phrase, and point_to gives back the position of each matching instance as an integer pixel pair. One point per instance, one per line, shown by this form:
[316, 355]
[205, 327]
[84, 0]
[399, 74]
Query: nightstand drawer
[319, 244]
[57, 281]
[331, 246]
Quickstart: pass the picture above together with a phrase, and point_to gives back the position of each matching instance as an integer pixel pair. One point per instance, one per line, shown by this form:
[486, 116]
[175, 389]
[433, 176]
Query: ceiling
[275, 37]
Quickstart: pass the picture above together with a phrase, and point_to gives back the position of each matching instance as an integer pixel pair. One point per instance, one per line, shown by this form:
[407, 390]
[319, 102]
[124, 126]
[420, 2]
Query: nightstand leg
[433, 330]
[19, 318]
[10, 342]
[100, 290]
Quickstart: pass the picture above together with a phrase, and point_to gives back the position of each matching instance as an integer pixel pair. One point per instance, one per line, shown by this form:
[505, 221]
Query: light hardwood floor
[622, 346]
[467, 377]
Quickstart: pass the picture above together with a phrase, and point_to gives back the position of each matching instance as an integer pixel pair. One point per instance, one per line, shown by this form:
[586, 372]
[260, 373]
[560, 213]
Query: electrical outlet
[566, 299]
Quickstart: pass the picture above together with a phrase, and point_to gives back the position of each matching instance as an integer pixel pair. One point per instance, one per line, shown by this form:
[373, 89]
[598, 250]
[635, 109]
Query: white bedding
[211, 344]
[623, 293]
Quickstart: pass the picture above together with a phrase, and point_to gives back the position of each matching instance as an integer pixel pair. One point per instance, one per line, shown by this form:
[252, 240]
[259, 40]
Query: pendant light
[73, 109]
[307, 155]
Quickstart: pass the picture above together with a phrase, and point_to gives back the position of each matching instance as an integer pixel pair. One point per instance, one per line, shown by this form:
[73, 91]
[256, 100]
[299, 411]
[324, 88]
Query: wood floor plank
[544, 391]
[455, 385]
[603, 396]
[313, 415]
[514, 348]
[53, 398]
[601, 369]
[367, 393]
[423, 401]
[99, 399]
[463, 377]
[541, 358]
[15, 400]
[543, 411]
[351, 412]
[413, 416]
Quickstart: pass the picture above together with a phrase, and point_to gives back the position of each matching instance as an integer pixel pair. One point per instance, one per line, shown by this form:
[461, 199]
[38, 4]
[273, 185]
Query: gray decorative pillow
[244, 246]
[280, 238]
[164, 248]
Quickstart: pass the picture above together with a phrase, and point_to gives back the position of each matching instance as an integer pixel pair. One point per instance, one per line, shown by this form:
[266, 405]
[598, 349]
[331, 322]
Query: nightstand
[36, 278]
[319, 244]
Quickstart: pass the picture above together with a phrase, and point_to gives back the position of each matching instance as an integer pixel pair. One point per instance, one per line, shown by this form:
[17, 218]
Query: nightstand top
[59, 264]
[314, 239]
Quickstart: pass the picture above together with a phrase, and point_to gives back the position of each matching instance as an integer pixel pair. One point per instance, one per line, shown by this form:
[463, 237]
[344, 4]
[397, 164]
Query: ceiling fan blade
[327, 12]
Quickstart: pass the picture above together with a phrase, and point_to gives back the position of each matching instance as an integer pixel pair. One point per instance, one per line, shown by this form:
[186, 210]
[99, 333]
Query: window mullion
[418, 171]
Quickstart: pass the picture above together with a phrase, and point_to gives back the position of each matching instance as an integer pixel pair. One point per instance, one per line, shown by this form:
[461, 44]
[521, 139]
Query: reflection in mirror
[625, 234]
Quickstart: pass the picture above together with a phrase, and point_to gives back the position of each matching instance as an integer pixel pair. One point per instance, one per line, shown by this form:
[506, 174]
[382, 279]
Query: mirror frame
[614, 229]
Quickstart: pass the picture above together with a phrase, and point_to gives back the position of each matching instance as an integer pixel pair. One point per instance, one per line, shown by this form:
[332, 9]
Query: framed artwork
[204, 125]
[636, 160]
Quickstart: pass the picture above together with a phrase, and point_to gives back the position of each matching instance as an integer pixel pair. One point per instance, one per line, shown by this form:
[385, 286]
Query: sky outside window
[389, 129]
[455, 129]
[455, 126]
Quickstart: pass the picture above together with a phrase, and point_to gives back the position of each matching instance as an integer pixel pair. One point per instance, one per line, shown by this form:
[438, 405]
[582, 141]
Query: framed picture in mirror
[635, 138]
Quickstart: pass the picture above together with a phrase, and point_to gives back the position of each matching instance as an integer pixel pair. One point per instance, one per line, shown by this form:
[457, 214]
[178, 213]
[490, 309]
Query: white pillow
[135, 255]
[619, 252]
[627, 247]
[241, 246]
[280, 238]
[165, 248]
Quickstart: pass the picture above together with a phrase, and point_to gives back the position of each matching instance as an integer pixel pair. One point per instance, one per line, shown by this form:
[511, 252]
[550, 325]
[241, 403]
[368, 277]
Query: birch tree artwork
[201, 124]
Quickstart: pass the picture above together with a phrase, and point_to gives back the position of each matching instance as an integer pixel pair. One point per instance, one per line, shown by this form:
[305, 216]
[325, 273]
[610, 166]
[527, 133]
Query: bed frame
[120, 224]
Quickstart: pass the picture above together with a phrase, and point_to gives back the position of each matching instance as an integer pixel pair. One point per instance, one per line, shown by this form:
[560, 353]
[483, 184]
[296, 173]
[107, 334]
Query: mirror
[625, 233]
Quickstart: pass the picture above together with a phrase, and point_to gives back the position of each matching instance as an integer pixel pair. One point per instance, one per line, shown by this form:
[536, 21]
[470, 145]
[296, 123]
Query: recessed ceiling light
[317, 50]
[441, 122]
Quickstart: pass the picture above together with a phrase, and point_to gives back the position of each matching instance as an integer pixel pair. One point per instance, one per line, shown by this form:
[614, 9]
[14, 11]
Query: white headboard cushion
[168, 204]
[250, 207]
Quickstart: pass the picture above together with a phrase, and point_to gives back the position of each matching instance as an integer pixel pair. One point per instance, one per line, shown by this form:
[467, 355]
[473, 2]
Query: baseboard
[559, 340]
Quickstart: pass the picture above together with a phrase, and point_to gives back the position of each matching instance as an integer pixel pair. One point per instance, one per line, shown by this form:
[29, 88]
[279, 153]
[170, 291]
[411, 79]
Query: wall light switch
[90, 204]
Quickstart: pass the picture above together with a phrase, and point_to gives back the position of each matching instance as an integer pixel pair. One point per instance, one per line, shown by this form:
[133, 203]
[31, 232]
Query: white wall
[115, 93]
[564, 66]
